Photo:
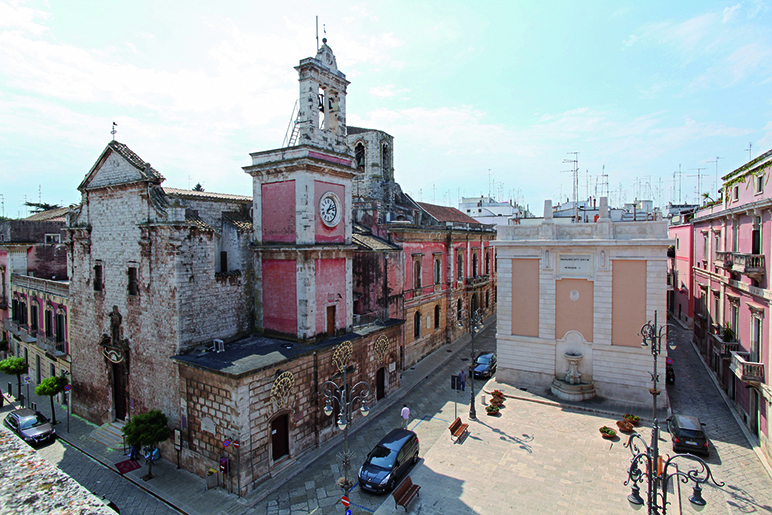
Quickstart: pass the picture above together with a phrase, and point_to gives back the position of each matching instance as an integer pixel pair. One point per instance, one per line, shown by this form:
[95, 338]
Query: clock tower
[302, 214]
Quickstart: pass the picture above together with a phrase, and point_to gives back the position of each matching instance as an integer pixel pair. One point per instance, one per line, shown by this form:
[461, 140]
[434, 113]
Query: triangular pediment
[118, 164]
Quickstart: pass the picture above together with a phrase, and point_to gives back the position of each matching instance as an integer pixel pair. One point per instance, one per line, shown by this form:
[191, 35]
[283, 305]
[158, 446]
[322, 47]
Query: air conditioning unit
[219, 345]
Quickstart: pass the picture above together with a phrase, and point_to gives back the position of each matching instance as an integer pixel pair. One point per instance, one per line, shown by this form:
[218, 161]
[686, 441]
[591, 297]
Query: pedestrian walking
[405, 415]
[462, 379]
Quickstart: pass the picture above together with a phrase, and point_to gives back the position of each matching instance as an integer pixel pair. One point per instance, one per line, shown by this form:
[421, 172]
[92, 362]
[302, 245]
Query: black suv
[688, 434]
[485, 364]
[388, 462]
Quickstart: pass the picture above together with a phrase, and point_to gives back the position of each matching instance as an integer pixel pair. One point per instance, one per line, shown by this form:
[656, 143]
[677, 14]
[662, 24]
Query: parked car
[485, 364]
[31, 426]
[389, 461]
[688, 434]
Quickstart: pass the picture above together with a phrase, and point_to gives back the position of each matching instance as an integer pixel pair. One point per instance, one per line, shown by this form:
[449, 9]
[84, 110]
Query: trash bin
[212, 478]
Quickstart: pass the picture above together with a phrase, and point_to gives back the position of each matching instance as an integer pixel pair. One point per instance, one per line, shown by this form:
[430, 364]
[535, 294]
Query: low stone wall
[31, 485]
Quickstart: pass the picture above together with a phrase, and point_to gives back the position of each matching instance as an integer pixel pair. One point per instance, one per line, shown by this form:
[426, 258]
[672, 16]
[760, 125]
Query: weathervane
[114, 130]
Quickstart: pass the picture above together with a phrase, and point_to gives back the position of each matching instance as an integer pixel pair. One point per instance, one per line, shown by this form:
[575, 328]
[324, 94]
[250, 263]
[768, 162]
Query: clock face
[329, 209]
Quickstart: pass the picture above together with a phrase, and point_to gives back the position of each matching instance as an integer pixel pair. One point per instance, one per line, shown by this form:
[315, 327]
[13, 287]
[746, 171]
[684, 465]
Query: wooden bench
[457, 428]
[405, 492]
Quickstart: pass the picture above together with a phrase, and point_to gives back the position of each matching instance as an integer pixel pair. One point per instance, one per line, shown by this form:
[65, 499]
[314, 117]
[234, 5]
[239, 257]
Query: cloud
[729, 12]
[15, 17]
[387, 91]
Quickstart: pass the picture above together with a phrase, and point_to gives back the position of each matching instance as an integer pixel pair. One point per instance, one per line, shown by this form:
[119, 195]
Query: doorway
[380, 384]
[330, 321]
[280, 437]
[119, 390]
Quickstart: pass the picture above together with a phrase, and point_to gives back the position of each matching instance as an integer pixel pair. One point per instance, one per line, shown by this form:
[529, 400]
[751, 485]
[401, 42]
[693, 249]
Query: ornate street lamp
[655, 469]
[345, 398]
[475, 323]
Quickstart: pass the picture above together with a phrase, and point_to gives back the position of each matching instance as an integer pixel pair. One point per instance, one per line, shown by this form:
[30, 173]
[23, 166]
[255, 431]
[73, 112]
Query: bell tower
[322, 114]
[302, 229]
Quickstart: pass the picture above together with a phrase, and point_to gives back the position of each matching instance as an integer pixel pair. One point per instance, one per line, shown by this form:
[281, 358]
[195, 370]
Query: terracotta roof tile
[205, 195]
[447, 214]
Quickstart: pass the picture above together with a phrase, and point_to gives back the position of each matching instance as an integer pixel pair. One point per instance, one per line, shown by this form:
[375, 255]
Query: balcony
[746, 371]
[723, 348]
[723, 259]
[475, 282]
[60, 349]
[752, 265]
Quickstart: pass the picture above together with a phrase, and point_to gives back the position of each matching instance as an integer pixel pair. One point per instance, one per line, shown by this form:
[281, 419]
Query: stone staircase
[110, 434]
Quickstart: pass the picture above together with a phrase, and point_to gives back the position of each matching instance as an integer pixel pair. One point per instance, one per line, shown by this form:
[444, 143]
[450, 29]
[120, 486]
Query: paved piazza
[537, 457]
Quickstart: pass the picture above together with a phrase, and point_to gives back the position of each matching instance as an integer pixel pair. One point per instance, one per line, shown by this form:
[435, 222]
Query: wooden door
[330, 321]
[380, 383]
[280, 437]
[119, 390]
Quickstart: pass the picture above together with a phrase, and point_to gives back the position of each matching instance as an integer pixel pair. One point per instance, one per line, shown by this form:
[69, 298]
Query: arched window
[437, 316]
[359, 151]
[417, 325]
[460, 267]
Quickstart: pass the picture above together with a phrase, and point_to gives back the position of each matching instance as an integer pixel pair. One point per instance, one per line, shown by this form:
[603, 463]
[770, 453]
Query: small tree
[198, 187]
[148, 429]
[51, 386]
[15, 367]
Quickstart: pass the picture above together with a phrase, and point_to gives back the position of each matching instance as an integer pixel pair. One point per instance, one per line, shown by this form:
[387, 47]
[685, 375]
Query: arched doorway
[280, 437]
[380, 384]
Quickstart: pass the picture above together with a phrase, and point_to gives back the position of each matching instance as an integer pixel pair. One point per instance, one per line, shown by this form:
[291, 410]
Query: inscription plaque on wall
[575, 265]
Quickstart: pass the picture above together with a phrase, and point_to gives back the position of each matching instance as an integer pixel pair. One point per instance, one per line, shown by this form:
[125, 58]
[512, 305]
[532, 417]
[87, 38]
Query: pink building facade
[679, 273]
[731, 291]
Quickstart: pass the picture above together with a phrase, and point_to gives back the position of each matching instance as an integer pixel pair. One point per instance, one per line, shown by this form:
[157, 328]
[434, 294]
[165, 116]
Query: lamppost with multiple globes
[647, 464]
[475, 323]
[345, 398]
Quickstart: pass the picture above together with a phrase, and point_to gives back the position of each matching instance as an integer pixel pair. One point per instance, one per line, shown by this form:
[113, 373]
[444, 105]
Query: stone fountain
[571, 387]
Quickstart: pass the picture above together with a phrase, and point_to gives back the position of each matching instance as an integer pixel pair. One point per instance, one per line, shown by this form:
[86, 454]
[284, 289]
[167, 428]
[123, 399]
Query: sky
[482, 98]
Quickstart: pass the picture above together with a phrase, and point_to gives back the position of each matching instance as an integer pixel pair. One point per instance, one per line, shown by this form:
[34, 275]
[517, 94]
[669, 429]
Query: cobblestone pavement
[732, 459]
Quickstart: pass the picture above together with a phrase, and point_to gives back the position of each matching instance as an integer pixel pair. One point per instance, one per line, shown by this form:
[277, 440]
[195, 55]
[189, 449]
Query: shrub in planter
[633, 419]
[497, 393]
[607, 432]
[492, 410]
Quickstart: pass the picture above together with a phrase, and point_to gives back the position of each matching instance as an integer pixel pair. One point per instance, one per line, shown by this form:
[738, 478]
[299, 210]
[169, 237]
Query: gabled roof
[205, 195]
[447, 214]
[363, 237]
[241, 223]
[146, 171]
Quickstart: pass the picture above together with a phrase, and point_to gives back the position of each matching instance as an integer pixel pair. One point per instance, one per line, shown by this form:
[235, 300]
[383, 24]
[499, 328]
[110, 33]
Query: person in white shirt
[405, 416]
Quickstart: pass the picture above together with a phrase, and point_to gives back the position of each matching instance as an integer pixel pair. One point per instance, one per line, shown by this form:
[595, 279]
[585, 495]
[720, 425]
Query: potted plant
[727, 333]
[497, 393]
[492, 410]
[633, 419]
[607, 432]
[497, 401]
[625, 426]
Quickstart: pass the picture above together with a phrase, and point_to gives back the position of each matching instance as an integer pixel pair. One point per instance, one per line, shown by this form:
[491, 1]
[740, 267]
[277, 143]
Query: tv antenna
[574, 171]
[716, 161]
[750, 150]
[699, 177]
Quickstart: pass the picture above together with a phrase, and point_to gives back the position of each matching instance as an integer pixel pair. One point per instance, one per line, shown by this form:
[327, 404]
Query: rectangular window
[60, 323]
[437, 271]
[33, 323]
[223, 261]
[49, 323]
[133, 287]
[98, 276]
[416, 274]
[755, 356]
[759, 183]
[53, 239]
[735, 234]
[736, 193]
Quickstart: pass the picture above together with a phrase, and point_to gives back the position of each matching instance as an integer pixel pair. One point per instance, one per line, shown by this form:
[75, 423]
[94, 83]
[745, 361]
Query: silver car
[31, 426]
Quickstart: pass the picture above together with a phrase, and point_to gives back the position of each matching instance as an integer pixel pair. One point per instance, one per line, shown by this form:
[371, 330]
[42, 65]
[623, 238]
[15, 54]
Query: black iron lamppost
[475, 322]
[345, 398]
[647, 463]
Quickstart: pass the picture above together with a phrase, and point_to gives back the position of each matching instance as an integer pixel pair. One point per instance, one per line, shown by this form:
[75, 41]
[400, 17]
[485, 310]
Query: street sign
[236, 444]
[27, 379]
[348, 512]
[67, 387]
[226, 443]
[344, 500]
[455, 383]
